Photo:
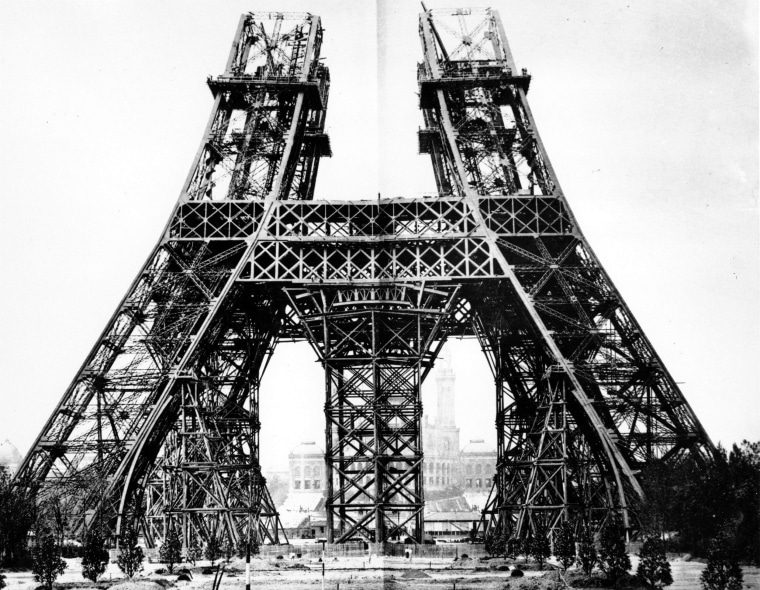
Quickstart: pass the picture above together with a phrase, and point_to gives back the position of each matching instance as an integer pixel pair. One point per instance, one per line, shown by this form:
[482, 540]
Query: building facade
[457, 477]
[306, 464]
[447, 464]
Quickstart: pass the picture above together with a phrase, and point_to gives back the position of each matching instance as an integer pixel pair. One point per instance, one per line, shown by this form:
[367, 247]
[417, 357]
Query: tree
[18, 513]
[130, 555]
[171, 550]
[654, 569]
[657, 512]
[513, 548]
[613, 558]
[722, 571]
[54, 512]
[564, 544]
[213, 549]
[2, 581]
[94, 556]
[700, 500]
[47, 563]
[242, 548]
[587, 555]
[539, 547]
[193, 550]
[525, 546]
[744, 466]
[495, 542]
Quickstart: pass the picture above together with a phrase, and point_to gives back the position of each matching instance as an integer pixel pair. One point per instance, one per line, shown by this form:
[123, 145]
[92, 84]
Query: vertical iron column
[376, 344]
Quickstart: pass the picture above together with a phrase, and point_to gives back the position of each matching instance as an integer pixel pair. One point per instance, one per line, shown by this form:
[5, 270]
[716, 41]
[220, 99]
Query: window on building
[468, 469]
[315, 471]
[317, 484]
[469, 483]
[307, 484]
[477, 483]
[478, 468]
[296, 472]
[307, 471]
[488, 482]
[297, 485]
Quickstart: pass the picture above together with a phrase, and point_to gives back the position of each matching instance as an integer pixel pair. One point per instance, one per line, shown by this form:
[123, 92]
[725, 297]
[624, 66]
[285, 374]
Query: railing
[318, 84]
[468, 70]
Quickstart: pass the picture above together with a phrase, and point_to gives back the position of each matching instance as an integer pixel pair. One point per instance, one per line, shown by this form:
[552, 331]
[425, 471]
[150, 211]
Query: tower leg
[550, 468]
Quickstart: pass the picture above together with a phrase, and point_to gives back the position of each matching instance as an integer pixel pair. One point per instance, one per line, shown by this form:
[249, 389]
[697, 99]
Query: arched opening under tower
[459, 441]
[458, 433]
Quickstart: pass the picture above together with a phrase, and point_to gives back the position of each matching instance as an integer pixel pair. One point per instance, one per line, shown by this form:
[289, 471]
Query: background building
[306, 464]
[10, 458]
[447, 464]
[457, 478]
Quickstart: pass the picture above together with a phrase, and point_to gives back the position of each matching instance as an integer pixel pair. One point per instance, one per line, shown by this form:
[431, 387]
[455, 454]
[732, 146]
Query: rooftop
[478, 446]
[307, 448]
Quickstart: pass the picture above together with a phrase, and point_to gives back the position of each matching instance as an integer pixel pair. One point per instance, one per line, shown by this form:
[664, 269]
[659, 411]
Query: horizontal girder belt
[388, 219]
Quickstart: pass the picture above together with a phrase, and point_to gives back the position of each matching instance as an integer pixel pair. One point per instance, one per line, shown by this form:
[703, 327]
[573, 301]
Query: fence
[449, 550]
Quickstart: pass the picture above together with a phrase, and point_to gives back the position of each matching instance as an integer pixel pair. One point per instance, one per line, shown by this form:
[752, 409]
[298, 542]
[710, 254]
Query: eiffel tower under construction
[160, 425]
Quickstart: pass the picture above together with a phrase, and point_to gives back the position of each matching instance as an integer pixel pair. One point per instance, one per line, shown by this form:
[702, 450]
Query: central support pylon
[160, 424]
[376, 345]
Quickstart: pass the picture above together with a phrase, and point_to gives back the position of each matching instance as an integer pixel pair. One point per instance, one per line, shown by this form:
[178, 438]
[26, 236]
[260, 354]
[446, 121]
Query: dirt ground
[371, 573]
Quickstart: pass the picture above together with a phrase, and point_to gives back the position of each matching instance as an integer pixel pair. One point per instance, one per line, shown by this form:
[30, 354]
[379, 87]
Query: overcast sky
[648, 110]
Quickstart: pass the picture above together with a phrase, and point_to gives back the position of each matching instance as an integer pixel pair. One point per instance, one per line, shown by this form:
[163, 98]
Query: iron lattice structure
[161, 422]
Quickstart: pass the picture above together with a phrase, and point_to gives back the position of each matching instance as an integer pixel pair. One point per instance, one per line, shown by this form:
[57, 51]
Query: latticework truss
[161, 422]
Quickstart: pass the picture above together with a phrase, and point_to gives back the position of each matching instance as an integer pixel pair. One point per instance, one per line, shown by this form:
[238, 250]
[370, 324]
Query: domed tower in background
[470, 469]
[10, 458]
[441, 439]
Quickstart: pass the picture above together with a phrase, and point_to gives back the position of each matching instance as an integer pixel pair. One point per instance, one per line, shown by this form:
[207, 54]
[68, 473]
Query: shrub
[94, 557]
[213, 549]
[613, 558]
[587, 556]
[525, 545]
[564, 545]
[130, 555]
[512, 549]
[193, 550]
[47, 563]
[539, 547]
[722, 571]
[242, 548]
[171, 550]
[495, 543]
[654, 569]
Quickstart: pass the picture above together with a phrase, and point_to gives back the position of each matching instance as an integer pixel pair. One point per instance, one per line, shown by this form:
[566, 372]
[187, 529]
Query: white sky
[648, 109]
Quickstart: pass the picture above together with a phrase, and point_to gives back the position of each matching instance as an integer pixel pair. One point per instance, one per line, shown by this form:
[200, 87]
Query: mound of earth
[416, 574]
